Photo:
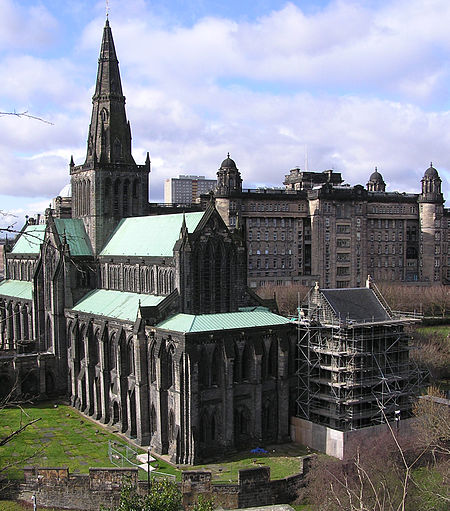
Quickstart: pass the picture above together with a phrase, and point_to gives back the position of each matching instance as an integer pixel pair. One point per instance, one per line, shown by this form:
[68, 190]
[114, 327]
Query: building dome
[66, 191]
[228, 163]
[431, 172]
[376, 177]
[376, 182]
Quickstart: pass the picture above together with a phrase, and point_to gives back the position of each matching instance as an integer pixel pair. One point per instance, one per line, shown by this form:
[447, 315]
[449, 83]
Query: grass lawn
[437, 330]
[8, 505]
[283, 460]
[65, 438]
[61, 438]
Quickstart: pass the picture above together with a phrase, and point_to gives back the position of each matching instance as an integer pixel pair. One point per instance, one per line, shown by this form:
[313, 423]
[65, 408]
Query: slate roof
[189, 323]
[357, 304]
[149, 235]
[30, 240]
[16, 289]
[115, 304]
[76, 236]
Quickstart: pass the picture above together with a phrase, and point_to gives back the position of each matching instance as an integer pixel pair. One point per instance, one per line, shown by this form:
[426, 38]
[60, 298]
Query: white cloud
[28, 27]
[352, 81]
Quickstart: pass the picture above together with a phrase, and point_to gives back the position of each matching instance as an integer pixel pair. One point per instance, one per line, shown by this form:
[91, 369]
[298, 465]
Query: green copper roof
[222, 321]
[16, 289]
[30, 240]
[76, 236]
[115, 304]
[149, 235]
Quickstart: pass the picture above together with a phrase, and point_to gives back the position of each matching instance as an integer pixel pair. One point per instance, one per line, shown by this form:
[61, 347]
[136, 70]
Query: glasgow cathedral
[144, 321]
[147, 320]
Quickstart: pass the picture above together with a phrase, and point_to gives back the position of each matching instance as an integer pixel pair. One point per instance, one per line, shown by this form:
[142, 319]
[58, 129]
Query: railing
[120, 454]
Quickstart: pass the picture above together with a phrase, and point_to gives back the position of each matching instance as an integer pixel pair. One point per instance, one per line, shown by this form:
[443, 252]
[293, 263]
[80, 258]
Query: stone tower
[228, 178]
[109, 185]
[376, 182]
[431, 203]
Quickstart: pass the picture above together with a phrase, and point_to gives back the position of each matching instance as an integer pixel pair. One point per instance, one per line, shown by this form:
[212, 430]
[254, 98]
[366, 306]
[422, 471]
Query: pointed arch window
[107, 204]
[112, 352]
[116, 196]
[170, 367]
[247, 363]
[117, 149]
[126, 201]
[216, 367]
[153, 364]
[104, 115]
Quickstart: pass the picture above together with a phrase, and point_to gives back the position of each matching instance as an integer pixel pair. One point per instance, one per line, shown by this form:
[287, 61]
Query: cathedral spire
[109, 132]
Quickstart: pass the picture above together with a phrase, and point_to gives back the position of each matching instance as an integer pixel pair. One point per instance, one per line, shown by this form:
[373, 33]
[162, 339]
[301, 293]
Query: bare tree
[26, 115]
[386, 474]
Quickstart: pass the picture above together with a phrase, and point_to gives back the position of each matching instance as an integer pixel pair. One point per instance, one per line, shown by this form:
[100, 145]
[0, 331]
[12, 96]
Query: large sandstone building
[318, 229]
[146, 321]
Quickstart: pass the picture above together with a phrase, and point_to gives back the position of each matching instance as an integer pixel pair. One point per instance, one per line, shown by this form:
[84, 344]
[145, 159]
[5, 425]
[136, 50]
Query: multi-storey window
[343, 229]
[343, 243]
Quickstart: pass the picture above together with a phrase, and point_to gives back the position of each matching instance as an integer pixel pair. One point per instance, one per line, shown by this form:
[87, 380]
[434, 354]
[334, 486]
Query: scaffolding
[352, 374]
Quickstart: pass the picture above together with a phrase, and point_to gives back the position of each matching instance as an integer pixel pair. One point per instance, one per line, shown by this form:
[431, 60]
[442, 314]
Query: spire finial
[431, 163]
[228, 154]
[376, 168]
[107, 10]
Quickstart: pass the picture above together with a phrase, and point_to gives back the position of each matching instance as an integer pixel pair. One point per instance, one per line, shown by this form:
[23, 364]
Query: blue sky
[355, 84]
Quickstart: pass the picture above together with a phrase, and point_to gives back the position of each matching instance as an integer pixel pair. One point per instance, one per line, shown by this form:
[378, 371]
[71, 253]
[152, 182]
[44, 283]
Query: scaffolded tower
[354, 367]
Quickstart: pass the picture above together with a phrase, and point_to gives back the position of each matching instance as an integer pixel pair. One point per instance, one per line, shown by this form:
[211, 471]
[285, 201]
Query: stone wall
[254, 488]
[57, 487]
[342, 444]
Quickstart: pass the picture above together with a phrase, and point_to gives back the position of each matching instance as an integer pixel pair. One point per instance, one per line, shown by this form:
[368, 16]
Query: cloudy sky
[353, 84]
